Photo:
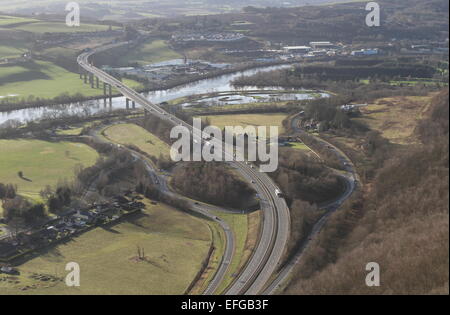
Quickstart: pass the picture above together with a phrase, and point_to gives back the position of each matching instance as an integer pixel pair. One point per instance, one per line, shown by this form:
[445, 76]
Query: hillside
[401, 222]
[120, 10]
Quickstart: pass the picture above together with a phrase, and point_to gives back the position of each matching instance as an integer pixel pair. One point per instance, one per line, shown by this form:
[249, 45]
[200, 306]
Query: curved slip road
[200, 208]
[350, 179]
[275, 231]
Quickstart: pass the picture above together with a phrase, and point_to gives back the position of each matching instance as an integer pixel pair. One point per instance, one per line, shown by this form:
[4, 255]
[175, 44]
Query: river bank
[219, 83]
[67, 99]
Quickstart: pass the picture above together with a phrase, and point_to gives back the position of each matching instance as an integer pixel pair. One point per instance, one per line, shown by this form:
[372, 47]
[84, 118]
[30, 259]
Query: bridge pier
[97, 82]
[128, 103]
[133, 105]
[85, 78]
[91, 80]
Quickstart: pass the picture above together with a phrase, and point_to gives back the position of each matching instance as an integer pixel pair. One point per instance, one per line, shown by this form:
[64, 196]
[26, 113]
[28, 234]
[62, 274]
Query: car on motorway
[278, 193]
[272, 208]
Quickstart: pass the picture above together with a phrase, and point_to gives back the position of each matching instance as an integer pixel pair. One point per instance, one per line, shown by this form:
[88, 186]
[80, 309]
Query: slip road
[269, 251]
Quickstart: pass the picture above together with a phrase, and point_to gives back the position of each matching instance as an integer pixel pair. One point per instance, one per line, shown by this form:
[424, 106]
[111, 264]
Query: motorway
[350, 179]
[276, 218]
[203, 209]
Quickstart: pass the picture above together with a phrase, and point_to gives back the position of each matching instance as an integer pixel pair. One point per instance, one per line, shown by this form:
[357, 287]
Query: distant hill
[134, 9]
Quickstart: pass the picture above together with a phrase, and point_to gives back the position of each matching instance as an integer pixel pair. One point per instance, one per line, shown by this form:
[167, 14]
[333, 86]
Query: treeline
[351, 90]
[32, 101]
[16, 207]
[158, 127]
[116, 172]
[146, 186]
[303, 217]
[111, 175]
[161, 128]
[305, 178]
[22, 210]
[248, 109]
[7, 191]
[151, 85]
[307, 184]
[213, 183]
[402, 223]
[383, 71]
[328, 156]
[328, 113]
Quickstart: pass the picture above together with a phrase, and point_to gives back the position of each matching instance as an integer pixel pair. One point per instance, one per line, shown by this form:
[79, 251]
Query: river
[220, 83]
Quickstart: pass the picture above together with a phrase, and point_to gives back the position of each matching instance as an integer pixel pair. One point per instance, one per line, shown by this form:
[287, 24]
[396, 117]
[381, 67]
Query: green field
[175, 246]
[60, 52]
[70, 132]
[133, 134]
[244, 120]
[11, 51]
[13, 48]
[41, 27]
[299, 146]
[6, 20]
[42, 163]
[150, 52]
[45, 80]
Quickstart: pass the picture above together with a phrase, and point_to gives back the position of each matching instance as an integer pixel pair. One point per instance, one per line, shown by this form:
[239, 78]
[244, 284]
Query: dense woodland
[304, 178]
[307, 183]
[213, 183]
[402, 223]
